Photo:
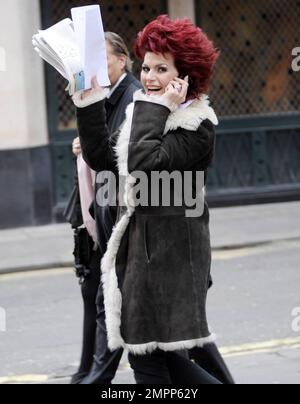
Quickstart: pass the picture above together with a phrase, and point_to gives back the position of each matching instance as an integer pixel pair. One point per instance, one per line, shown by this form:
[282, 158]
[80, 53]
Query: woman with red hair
[192, 52]
[156, 269]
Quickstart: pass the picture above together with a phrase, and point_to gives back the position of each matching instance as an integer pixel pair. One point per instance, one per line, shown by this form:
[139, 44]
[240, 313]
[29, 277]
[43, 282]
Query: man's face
[116, 64]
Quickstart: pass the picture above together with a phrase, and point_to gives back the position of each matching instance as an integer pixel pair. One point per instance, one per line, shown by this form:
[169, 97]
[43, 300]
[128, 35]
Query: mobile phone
[182, 77]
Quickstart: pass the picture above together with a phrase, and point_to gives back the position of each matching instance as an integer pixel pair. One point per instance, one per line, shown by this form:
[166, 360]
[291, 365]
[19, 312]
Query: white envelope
[89, 30]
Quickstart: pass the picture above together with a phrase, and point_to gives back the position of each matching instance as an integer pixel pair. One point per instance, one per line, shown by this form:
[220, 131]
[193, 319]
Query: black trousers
[89, 290]
[99, 365]
[105, 363]
[168, 368]
[210, 359]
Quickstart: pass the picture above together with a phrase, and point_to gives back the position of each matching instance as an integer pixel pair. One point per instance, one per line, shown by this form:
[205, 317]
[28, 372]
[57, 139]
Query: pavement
[251, 309]
[35, 248]
[256, 253]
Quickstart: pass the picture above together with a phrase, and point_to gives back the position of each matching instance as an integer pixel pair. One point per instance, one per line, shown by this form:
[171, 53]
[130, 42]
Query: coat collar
[192, 117]
[120, 90]
[189, 118]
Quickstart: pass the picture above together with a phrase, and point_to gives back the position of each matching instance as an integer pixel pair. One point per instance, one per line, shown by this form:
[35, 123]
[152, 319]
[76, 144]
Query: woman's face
[157, 72]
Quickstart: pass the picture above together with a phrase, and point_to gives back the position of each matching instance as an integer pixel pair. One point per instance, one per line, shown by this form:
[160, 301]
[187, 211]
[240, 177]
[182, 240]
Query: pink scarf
[86, 179]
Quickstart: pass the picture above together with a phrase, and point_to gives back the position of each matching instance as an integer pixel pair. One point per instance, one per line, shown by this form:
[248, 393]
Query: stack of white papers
[76, 48]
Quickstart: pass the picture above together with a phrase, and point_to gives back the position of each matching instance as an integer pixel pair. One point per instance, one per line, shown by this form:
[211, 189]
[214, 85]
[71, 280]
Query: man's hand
[76, 147]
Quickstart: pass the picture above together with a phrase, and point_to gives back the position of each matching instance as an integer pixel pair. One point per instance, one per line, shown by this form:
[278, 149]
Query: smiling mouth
[154, 90]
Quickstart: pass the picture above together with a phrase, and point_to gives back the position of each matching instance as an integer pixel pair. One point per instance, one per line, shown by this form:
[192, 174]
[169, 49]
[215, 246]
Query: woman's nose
[151, 75]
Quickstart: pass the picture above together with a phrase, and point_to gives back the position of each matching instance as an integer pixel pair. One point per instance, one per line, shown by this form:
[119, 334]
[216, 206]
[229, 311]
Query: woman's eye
[160, 69]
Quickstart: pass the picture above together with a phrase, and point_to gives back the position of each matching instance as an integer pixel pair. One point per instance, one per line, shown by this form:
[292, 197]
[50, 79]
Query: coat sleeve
[96, 141]
[180, 150]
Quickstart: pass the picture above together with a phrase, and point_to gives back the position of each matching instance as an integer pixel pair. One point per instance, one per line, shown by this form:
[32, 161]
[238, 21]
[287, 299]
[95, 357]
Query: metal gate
[256, 94]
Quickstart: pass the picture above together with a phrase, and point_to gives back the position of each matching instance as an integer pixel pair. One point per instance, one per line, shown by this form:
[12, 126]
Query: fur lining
[121, 148]
[112, 293]
[141, 96]
[192, 117]
[143, 349]
[92, 98]
[189, 118]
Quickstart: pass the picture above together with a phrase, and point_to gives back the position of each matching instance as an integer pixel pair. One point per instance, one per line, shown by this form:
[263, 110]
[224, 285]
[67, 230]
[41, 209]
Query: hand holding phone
[176, 91]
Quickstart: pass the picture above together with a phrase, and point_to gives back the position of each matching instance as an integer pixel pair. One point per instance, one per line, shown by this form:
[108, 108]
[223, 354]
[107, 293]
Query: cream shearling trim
[143, 349]
[189, 118]
[122, 145]
[141, 96]
[92, 98]
[192, 117]
[112, 293]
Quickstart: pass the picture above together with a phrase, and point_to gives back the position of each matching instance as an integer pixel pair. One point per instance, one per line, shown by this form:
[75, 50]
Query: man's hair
[119, 48]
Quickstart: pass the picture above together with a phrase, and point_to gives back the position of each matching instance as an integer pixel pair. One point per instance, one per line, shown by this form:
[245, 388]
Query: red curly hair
[194, 54]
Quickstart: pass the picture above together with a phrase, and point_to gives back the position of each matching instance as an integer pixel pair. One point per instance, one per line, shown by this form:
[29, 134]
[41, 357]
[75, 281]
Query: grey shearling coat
[156, 269]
